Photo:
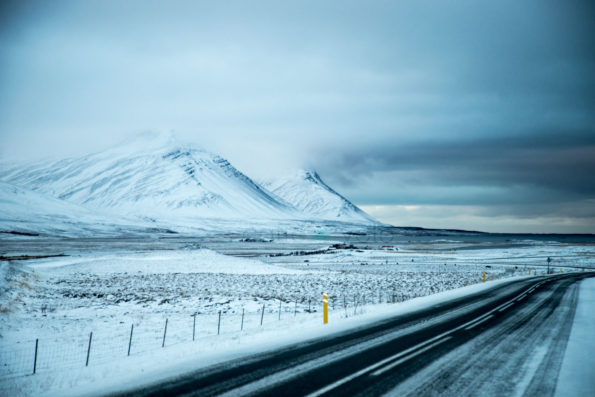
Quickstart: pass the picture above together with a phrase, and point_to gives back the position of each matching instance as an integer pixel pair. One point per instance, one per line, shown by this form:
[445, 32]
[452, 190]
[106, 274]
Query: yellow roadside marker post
[483, 277]
[325, 307]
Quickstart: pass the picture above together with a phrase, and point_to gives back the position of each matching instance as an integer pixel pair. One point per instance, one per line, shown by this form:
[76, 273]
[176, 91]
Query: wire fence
[102, 345]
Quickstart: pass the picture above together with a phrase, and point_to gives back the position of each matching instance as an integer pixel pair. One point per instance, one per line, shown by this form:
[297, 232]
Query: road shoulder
[576, 376]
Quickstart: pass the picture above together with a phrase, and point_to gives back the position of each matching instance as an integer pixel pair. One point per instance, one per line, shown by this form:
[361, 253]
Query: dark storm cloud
[562, 162]
[547, 176]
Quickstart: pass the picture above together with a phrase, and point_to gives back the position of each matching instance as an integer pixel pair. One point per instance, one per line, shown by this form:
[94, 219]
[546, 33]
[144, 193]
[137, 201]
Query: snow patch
[156, 262]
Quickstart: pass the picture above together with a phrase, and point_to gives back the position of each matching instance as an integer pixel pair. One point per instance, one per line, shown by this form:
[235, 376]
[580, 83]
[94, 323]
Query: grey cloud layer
[560, 161]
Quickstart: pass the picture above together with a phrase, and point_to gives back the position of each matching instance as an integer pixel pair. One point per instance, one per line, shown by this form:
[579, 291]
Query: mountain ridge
[154, 175]
[306, 191]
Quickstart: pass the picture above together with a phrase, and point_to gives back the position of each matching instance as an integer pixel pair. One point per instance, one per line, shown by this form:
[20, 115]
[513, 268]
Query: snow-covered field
[60, 300]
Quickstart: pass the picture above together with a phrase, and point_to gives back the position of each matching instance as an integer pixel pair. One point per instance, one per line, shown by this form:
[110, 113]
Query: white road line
[479, 322]
[340, 382]
[505, 307]
[466, 326]
[434, 341]
[409, 357]
[371, 368]
[520, 298]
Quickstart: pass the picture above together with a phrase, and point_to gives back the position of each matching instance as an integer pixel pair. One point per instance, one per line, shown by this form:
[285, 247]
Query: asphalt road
[509, 340]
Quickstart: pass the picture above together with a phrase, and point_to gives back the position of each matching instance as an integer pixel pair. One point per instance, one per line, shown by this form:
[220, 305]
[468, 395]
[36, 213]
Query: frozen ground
[61, 300]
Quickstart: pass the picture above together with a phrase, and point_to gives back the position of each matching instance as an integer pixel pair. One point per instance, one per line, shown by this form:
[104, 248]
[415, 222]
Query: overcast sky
[453, 114]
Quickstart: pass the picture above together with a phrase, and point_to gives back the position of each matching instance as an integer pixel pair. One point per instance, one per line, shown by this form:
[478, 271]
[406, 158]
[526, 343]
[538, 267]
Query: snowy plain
[60, 300]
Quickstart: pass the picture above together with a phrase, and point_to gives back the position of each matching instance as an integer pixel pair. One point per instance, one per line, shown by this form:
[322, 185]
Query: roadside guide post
[325, 307]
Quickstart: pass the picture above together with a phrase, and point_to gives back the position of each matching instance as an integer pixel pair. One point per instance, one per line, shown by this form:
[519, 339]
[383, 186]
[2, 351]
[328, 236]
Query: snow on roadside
[161, 363]
[576, 374]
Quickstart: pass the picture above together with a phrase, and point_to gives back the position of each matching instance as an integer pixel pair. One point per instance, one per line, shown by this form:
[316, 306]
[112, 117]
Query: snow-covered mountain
[24, 212]
[156, 178]
[306, 191]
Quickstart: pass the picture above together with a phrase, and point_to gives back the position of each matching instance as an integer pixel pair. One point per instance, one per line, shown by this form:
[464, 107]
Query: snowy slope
[152, 175]
[26, 212]
[306, 191]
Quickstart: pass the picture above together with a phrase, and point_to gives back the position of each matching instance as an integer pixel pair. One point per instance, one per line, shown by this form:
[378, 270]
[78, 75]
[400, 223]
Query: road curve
[508, 340]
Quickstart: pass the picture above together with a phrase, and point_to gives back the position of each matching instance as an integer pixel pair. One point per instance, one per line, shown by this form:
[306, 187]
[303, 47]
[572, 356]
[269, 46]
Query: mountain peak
[308, 174]
[149, 140]
[146, 142]
[305, 190]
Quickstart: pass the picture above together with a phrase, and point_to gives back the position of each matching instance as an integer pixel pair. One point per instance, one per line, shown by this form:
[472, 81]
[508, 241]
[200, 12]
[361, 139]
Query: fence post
[164, 333]
[280, 310]
[345, 305]
[35, 358]
[262, 314]
[309, 302]
[130, 340]
[89, 349]
[295, 309]
[194, 326]
[242, 327]
[219, 323]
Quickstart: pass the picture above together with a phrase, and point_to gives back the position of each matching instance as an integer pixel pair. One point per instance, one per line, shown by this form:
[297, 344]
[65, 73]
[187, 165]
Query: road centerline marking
[409, 357]
[422, 346]
[374, 366]
[506, 307]
[479, 322]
